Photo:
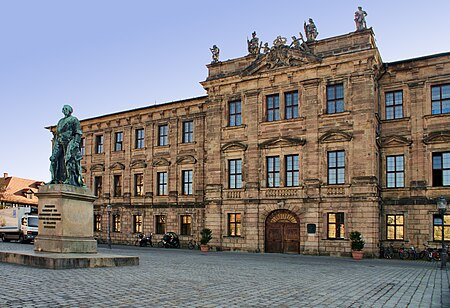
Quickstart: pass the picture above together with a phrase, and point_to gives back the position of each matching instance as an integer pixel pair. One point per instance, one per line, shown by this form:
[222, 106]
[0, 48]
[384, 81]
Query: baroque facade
[291, 149]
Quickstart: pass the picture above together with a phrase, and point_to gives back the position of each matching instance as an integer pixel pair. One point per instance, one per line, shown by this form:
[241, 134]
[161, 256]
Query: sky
[105, 56]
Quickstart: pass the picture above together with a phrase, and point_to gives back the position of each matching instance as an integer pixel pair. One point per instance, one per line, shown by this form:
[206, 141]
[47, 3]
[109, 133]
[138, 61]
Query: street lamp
[442, 207]
[108, 208]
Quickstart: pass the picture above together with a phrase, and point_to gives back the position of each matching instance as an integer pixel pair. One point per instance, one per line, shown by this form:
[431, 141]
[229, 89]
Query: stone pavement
[184, 278]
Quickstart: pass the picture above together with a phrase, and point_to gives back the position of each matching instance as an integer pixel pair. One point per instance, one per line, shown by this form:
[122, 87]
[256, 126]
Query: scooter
[144, 241]
[169, 240]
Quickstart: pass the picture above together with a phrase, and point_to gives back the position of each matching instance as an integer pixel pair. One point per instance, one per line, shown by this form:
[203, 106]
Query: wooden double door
[282, 232]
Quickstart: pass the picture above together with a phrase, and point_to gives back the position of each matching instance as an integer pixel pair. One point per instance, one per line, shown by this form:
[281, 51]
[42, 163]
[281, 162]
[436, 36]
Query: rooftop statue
[279, 41]
[215, 54]
[253, 45]
[310, 30]
[360, 19]
[266, 47]
[299, 43]
[65, 162]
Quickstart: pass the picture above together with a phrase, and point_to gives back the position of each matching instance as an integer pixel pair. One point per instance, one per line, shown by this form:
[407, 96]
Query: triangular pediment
[234, 146]
[437, 137]
[160, 162]
[98, 167]
[395, 141]
[117, 166]
[186, 160]
[138, 163]
[282, 142]
[335, 136]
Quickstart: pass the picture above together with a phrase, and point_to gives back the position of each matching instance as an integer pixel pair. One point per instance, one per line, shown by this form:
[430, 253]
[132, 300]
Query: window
[440, 99]
[116, 223]
[395, 174]
[336, 227]
[441, 169]
[163, 135]
[336, 167]
[118, 141]
[160, 224]
[291, 170]
[273, 107]
[394, 227]
[98, 186]
[83, 146]
[99, 144]
[139, 184]
[137, 223]
[394, 105]
[273, 171]
[162, 183]
[335, 98]
[291, 105]
[97, 223]
[234, 224]
[117, 185]
[187, 182]
[234, 113]
[139, 138]
[188, 131]
[437, 227]
[234, 174]
[185, 225]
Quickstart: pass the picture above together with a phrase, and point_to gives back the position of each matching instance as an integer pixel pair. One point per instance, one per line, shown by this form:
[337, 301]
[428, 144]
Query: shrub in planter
[206, 236]
[357, 245]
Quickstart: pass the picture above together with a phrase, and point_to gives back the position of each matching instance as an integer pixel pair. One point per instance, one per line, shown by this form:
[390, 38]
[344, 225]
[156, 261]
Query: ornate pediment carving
[395, 141]
[160, 162]
[234, 146]
[282, 142]
[138, 163]
[335, 136]
[437, 137]
[117, 166]
[98, 167]
[186, 160]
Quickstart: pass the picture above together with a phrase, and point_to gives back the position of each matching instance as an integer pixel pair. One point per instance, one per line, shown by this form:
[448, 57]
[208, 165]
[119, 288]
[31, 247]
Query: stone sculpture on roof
[360, 19]
[310, 30]
[215, 54]
[253, 44]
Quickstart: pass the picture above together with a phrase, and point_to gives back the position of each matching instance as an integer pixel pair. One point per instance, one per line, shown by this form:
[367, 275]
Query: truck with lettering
[18, 223]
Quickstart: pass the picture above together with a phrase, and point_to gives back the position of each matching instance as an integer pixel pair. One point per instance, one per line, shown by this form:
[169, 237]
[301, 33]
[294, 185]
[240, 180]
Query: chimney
[5, 175]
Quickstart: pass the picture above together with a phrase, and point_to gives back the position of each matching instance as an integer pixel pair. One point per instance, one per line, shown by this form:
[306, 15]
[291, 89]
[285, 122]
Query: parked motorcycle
[169, 240]
[144, 241]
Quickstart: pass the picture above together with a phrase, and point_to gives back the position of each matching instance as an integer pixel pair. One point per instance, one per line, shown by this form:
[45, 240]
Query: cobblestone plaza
[184, 278]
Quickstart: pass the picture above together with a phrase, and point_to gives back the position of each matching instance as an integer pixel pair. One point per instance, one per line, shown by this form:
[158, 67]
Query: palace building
[292, 148]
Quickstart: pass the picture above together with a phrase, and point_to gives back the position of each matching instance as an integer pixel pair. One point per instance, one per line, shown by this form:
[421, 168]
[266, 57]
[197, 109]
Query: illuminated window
[97, 223]
[395, 173]
[137, 223]
[160, 224]
[139, 184]
[98, 186]
[335, 98]
[116, 223]
[437, 228]
[185, 225]
[394, 105]
[234, 224]
[336, 227]
[395, 227]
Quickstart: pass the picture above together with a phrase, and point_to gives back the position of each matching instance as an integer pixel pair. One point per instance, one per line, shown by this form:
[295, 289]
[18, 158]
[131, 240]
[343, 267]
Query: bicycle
[193, 244]
[388, 252]
[403, 253]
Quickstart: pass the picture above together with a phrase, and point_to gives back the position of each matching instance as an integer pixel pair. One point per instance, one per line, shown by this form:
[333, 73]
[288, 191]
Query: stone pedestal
[66, 217]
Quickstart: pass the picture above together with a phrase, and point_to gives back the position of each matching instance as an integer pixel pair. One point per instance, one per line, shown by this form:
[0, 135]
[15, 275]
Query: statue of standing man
[215, 54]
[65, 162]
[360, 19]
[253, 45]
[310, 30]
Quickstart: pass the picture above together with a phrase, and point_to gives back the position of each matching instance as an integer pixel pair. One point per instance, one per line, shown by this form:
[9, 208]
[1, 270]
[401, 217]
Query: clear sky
[104, 56]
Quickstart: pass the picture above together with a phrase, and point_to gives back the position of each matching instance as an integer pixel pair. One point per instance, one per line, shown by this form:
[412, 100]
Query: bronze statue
[65, 162]
[360, 19]
[253, 44]
[215, 54]
[310, 30]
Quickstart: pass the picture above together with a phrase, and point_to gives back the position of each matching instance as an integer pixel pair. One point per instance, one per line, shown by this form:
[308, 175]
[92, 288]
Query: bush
[357, 242]
[206, 236]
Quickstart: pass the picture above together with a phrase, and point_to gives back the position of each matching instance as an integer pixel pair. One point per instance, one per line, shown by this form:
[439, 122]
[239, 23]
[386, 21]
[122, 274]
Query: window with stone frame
[98, 186]
[83, 146]
[137, 223]
[335, 226]
[394, 105]
[163, 135]
[188, 131]
[138, 184]
[98, 144]
[234, 113]
[117, 185]
[160, 226]
[116, 223]
[395, 171]
[97, 222]
[291, 170]
[441, 169]
[440, 99]
[186, 225]
[186, 184]
[291, 105]
[335, 98]
[234, 173]
[437, 227]
[118, 141]
[395, 227]
[336, 167]
[272, 108]
[273, 171]
[234, 224]
[162, 189]
[139, 141]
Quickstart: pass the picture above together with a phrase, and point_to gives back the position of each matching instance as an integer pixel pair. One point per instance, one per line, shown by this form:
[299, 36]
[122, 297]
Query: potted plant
[206, 236]
[357, 245]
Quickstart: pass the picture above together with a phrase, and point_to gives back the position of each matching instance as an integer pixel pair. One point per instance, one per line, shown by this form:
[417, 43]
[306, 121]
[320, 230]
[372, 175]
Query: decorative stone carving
[360, 19]
[117, 166]
[310, 30]
[234, 146]
[186, 160]
[335, 136]
[282, 142]
[215, 54]
[253, 44]
[138, 163]
[161, 162]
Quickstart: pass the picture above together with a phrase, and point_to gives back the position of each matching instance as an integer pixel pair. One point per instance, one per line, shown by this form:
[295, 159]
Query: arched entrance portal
[282, 232]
